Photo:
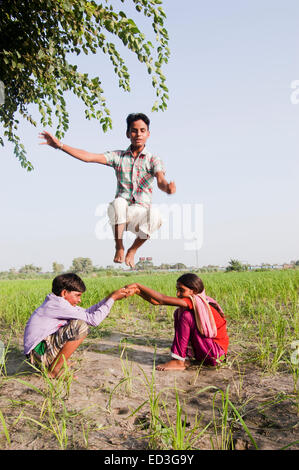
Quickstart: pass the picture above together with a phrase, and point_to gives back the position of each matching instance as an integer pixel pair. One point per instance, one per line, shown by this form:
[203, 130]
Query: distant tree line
[84, 267]
[237, 265]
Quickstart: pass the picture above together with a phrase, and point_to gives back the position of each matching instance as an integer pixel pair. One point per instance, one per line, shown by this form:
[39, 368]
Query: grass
[54, 415]
[50, 414]
[178, 435]
[228, 418]
[261, 308]
[263, 324]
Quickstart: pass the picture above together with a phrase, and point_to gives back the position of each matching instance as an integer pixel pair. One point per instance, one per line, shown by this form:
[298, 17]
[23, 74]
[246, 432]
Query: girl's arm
[156, 298]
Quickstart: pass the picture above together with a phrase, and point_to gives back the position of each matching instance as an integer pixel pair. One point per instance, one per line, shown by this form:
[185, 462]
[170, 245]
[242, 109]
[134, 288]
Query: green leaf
[36, 65]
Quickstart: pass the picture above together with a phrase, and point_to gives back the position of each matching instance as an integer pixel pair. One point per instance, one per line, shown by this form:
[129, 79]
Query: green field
[252, 398]
[261, 308]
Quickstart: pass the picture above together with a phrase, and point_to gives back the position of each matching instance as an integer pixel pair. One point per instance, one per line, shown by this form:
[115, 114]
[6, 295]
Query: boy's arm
[145, 295]
[82, 155]
[168, 188]
[141, 293]
[122, 293]
[96, 313]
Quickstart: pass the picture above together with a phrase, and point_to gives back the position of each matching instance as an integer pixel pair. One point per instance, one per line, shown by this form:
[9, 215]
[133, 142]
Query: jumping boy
[56, 328]
[135, 170]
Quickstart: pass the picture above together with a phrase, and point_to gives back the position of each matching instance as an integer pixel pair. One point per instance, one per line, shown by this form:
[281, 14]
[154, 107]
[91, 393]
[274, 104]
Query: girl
[198, 320]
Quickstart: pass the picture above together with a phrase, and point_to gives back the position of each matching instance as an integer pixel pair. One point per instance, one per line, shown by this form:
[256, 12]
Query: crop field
[119, 401]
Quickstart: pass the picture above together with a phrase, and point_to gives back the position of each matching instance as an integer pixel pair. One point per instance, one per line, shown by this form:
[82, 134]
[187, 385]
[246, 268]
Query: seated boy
[56, 328]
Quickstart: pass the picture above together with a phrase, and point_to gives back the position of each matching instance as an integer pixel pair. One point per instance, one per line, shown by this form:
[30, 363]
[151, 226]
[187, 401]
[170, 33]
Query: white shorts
[138, 219]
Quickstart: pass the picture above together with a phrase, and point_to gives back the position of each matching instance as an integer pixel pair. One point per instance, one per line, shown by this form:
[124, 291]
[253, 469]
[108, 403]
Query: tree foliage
[38, 40]
[235, 265]
[82, 266]
[57, 267]
[30, 269]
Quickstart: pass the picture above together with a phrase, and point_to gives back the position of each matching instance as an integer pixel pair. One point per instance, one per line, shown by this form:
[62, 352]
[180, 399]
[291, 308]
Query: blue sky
[229, 139]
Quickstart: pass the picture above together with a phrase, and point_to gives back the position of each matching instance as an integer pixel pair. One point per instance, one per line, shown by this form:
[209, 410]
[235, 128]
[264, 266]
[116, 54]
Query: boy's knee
[117, 211]
[78, 329]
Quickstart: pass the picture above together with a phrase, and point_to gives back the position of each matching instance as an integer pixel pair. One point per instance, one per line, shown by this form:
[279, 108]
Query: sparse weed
[178, 436]
[3, 356]
[224, 424]
[127, 369]
[54, 416]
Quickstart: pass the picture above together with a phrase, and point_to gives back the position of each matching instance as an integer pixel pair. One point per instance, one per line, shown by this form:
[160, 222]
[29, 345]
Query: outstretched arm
[77, 153]
[157, 298]
[123, 293]
[168, 188]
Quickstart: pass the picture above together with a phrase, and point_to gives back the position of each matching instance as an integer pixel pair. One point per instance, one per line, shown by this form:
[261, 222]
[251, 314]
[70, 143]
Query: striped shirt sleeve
[112, 157]
[156, 165]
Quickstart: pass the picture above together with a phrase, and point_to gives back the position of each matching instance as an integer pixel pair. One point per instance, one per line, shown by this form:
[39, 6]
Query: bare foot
[173, 364]
[130, 258]
[119, 255]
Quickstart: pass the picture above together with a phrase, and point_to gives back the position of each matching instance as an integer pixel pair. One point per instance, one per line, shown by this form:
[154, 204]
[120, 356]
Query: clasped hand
[126, 291]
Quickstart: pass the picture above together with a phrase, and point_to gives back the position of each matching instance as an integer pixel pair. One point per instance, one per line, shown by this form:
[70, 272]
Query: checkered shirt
[135, 176]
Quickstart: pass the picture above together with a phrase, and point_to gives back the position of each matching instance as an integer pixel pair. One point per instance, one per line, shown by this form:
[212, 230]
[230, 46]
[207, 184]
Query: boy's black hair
[192, 281]
[69, 282]
[135, 117]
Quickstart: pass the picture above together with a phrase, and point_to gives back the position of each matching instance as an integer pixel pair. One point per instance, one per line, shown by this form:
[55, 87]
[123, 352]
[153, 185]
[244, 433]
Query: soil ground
[266, 402]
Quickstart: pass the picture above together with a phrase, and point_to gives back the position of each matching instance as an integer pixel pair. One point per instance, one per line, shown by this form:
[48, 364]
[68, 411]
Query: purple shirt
[55, 312]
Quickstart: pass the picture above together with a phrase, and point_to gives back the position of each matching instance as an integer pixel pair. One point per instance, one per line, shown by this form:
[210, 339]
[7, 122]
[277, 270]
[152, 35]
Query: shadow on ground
[138, 349]
[16, 363]
[134, 348]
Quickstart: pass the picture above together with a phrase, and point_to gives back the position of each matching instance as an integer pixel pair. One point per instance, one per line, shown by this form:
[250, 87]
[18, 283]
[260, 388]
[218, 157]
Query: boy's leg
[142, 221]
[134, 218]
[119, 256]
[117, 213]
[61, 345]
[130, 255]
[64, 354]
